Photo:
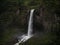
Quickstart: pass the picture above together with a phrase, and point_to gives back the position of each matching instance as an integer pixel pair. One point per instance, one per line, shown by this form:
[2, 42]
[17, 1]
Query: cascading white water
[30, 25]
[30, 29]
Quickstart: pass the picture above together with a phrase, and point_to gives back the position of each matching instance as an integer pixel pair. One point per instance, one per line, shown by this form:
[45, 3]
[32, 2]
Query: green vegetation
[14, 14]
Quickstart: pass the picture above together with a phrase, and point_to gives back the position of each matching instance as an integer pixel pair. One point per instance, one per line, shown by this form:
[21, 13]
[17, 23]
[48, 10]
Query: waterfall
[30, 25]
[30, 29]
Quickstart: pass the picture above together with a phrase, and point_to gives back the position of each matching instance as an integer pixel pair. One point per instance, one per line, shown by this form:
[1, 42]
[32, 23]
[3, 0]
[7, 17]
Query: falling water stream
[30, 24]
[30, 29]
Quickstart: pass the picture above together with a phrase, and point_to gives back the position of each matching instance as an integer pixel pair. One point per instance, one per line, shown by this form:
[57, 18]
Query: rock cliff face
[44, 19]
[14, 16]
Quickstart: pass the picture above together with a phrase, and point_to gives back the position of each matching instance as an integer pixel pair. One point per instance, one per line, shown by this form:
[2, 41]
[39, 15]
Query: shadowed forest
[14, 16]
